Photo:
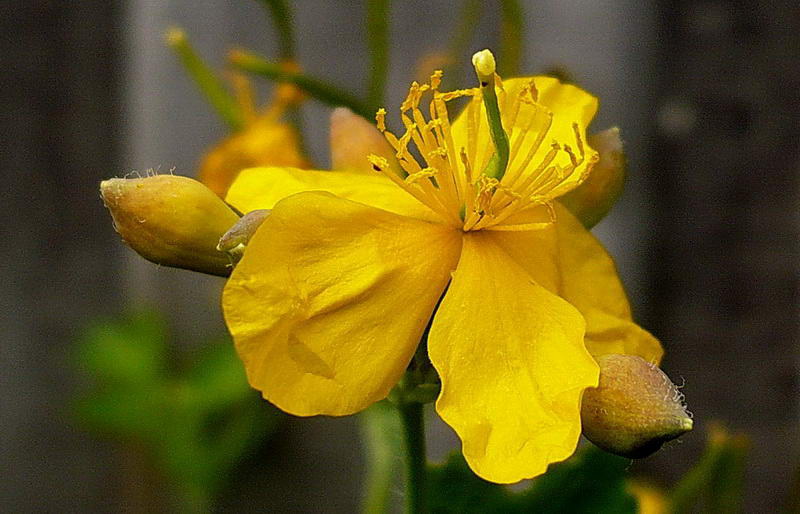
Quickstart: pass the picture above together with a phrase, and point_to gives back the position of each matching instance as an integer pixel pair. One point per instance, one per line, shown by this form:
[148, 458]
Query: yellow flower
[337, 286]
[265, 140]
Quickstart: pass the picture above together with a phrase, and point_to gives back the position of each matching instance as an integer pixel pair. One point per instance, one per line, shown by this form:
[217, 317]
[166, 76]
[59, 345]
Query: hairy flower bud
[635, 408]
[595, 197]
[171, 220]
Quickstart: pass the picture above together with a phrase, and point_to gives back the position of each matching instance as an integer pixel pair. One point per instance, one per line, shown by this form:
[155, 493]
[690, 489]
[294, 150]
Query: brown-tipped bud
[595, 197]
[234, 241]
[171, 220]
[352, 139]
[635, 408]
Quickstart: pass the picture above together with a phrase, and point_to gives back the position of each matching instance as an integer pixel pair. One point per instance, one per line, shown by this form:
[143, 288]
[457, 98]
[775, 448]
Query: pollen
[443, 164]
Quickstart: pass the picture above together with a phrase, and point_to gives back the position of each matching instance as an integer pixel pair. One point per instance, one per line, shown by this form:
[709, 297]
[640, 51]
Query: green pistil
[484, 68]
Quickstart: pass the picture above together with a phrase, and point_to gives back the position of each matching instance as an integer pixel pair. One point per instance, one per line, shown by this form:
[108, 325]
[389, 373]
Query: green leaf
[590, 482]
[194, 422]
[131, 350]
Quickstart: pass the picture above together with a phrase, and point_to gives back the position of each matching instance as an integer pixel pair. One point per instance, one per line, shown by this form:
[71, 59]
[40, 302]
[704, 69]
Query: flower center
[454, 169]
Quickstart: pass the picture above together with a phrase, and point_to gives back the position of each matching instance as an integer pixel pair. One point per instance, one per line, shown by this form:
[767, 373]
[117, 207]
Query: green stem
[378, 42]
[411, 415]
[511, 44]
[281, 15]
[471, 11]
[382, 432]
[207, 81]
[322, 91]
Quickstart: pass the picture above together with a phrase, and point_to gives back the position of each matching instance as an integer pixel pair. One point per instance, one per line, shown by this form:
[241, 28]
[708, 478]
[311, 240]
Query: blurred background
[707, 96]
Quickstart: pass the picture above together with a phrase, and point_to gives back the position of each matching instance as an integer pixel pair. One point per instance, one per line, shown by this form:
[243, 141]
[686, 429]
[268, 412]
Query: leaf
[129, 351]
[590, 482]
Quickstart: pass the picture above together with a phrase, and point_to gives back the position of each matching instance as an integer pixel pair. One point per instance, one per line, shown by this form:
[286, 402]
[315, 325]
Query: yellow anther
[438, 152]
[424, 173]
[458, 93]
[436, 79]
[380, 118]
[378, 163]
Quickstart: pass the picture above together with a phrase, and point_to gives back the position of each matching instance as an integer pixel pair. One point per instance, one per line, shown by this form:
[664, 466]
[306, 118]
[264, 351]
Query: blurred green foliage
[716, 481]
[591, 482]
[195, 421]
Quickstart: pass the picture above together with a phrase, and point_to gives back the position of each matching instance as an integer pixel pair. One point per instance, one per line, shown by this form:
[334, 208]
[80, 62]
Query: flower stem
[378, 42]
[511, 37]
[316, 88]
[207, 81]
[411, 414]
[382, 432]
[281, 15]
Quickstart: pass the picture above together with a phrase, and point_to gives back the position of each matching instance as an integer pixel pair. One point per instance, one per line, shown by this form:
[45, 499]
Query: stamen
[421, 174]
[481, 185]
[380, 117]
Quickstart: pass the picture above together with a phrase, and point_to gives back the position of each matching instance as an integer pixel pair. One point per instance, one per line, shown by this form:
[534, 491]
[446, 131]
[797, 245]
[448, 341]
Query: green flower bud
[171, 220]
[635, 408]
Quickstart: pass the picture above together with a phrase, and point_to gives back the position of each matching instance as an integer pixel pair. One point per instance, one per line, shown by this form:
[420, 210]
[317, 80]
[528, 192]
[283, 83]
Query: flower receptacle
[635, 408]
[171, 220]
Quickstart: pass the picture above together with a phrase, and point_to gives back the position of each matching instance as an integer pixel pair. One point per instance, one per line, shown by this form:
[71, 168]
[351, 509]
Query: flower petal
[513, 365]
[353, 139]
[265, 142]
[330, 300]
[569, 261]
[609, 334]
[262, 188]
[590, 282]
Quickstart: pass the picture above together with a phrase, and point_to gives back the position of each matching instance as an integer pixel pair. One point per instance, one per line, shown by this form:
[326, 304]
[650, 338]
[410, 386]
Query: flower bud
[352, 139]
[635, 408]
[171, 220]
[595, 197]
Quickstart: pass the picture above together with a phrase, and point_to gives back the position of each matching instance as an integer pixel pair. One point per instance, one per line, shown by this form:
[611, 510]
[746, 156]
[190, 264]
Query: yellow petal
[513, 365]
[264, 142]
[589, 278]
[568, 260]
[590, 282]
[353, 139]
[262, 188]
[608, 334]
[568, 104]
[330, 300]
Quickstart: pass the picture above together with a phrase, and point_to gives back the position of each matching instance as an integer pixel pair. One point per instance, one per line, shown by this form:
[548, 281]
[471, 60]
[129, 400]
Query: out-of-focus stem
[281, 15]
[383, 440]
[207, 81]
[414, 432]
[316, 88]
[378, 42]
[462, 36]
[511, 33]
